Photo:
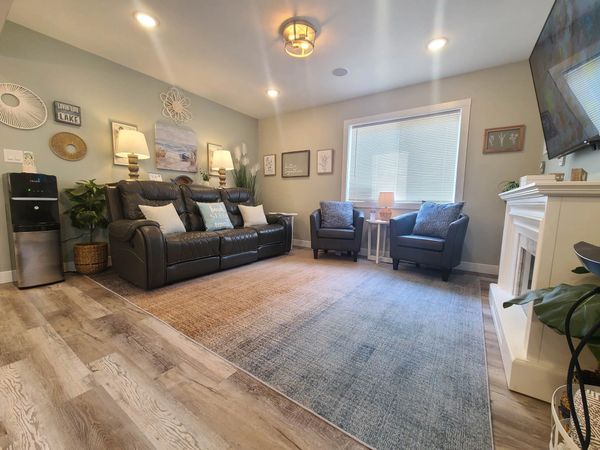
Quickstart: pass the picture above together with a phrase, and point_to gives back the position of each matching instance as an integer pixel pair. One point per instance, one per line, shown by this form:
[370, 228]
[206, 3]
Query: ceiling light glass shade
[145, 20]
[437, 44]
[299, 37]
[132, 142]
[272, 93]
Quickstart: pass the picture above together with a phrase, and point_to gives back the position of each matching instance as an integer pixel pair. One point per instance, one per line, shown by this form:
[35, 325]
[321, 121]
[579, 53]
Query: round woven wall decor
[21, 108]
[68, 146]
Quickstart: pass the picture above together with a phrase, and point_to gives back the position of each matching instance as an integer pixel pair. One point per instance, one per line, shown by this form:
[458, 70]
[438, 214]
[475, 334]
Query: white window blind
[584, 81]
[415, 157]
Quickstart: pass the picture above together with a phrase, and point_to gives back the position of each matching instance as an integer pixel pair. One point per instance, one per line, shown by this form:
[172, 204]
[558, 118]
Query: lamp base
[385, 213]
[132, 165]
[222, 178]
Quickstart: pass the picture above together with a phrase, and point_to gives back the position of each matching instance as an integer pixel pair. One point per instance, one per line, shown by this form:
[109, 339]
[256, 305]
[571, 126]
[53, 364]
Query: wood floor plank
[166, 421]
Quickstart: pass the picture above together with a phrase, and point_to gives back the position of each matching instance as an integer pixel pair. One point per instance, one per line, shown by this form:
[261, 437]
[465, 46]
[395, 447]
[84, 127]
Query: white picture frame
[270, 165]
[325, 161]
[115, 128]
[210, 148]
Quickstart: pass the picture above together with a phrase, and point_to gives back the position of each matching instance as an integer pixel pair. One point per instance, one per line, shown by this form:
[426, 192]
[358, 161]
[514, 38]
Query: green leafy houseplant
[506, 186]
[87, 212]
[243, 175]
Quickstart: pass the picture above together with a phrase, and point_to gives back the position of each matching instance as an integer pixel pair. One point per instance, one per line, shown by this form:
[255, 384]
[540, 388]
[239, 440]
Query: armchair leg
[316, 253]
[355, 256]
[349, 253]
[446, 274]
[395, 263]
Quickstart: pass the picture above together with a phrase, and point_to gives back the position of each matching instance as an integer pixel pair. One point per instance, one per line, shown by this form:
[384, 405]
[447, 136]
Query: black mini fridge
[33, 228]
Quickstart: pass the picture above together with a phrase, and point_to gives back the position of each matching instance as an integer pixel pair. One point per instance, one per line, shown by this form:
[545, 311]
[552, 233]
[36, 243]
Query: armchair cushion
[434, 219]
[336, 233]
[337, 215]
[423, 242]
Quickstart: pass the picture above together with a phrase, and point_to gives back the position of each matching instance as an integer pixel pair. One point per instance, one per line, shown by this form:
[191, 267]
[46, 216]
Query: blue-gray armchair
[442, 253]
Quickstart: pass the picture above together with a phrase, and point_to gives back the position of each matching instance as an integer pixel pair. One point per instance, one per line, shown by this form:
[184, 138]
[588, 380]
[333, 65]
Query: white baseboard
[488, 269]
[8, 276]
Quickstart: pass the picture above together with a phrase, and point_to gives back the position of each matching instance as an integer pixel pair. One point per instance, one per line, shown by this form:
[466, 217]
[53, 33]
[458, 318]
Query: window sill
[397, 205]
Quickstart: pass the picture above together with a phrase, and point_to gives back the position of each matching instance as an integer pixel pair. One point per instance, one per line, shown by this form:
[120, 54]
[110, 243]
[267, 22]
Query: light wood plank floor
[81, 368]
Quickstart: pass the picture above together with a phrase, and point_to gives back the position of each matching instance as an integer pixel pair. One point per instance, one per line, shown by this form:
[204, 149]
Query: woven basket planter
[90, 258]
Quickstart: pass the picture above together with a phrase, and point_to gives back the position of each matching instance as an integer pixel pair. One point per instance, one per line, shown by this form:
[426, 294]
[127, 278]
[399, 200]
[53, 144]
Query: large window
[417, 154]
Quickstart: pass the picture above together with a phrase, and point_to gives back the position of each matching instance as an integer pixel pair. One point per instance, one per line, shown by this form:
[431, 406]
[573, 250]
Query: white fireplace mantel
[543, 220]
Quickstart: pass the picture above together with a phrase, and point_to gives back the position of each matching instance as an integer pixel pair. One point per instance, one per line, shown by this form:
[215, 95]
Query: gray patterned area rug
[396, 359]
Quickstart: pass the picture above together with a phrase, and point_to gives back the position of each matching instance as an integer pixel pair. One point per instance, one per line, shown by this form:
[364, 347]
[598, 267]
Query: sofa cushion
[270, 234]
[151, 193]
[422, 242]
[238, 240]
[337, 215]
[253, 215]
[336, 233]
[215, 216]
[191, 245]
[166, 217]
[232, 197]
[193, 193]
[434, 219]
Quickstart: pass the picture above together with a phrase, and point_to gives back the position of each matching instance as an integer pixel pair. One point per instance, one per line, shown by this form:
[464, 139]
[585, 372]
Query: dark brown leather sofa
[142, 255]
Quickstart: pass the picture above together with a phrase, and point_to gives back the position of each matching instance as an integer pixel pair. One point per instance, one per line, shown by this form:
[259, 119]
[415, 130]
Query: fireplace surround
[543, 221]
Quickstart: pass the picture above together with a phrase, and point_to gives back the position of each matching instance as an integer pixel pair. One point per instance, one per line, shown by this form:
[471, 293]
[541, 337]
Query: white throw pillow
[166, 216]
[253, 215]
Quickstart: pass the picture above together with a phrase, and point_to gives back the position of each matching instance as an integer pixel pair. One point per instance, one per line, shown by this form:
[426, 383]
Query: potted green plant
[243, 175]
[87, 212]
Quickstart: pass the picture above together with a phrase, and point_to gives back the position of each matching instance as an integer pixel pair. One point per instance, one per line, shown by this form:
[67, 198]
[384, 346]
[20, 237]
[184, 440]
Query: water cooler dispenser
[33, 228]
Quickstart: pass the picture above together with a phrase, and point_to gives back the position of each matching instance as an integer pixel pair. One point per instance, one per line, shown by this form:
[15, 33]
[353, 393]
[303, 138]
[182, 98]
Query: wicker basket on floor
[90, 258]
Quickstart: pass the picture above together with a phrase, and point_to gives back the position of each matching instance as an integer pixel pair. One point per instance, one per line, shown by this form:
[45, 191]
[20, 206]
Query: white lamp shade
[132, 141]
[222, 160]
[386, 198]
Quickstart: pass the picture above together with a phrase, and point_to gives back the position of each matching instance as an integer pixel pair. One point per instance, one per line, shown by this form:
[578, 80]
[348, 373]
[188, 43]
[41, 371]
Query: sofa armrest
[455, 240]
[123, 230]
[358, 221]
[286, 221]
[315, 225]
[403, 224]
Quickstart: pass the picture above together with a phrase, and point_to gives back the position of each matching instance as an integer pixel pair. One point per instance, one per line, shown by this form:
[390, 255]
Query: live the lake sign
[66, 113]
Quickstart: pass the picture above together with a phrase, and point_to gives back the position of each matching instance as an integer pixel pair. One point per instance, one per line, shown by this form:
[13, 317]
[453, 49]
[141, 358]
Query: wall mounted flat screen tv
[565, 64]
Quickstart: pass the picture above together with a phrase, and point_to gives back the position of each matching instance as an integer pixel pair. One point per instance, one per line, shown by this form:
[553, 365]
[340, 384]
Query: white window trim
[464, 105]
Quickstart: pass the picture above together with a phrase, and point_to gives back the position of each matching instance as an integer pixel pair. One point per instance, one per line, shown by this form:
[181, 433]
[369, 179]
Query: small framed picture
[67, 113]
[115, 128]
[269, 165]
[295, 164]
[325, 161]
[154, 176]
[504, 139]
[210, 148]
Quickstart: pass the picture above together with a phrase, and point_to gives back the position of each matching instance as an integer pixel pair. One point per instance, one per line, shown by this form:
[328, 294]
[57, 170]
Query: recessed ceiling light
[340, 72]
[146, 20]
[437, 44]
[272, 93]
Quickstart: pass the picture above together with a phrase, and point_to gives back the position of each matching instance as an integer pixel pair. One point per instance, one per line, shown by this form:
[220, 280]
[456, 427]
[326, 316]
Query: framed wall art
[210, 148]
[504, 139]
[269, 165]
[115, 128]
[325, 161]
[67, 113]
[295, 164]
[176, 147]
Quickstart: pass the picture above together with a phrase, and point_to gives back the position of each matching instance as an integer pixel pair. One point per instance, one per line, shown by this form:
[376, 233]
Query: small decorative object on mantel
[175, 106]
[21, 108]
[504, 139]
[325, 161]
[528, 179]
[559, 176]
[269, 165]
[578, 174]
[68, 146]
[115, 128]
[386, 199]
[295, 164]
[66, 113]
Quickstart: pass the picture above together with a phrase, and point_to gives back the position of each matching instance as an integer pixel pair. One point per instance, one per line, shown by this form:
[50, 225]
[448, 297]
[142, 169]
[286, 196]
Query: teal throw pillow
[215, 216]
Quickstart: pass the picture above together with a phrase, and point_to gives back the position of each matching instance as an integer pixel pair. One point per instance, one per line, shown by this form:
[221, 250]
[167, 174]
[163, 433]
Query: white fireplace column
[544, 219]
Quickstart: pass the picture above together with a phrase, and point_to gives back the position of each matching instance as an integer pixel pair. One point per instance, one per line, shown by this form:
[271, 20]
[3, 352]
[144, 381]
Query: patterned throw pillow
[434, 219]
[215, 216]
[337, 215]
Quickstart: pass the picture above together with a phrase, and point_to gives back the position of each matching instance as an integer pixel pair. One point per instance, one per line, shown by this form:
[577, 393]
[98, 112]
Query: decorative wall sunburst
[21, 108]
[175, 106]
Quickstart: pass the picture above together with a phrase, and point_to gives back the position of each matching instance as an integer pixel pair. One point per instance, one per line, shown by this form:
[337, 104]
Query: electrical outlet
[13, 156]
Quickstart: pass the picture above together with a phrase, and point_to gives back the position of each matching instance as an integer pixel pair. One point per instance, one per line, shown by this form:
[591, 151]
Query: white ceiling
[229, 51]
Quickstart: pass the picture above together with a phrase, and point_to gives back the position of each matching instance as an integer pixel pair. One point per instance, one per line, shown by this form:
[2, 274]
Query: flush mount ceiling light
[146, 20]
[299, 37]
[273, 93]
[437, 44]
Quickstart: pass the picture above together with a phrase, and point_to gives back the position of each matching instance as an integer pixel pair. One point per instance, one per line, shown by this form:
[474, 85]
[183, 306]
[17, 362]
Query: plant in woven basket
[87, 212]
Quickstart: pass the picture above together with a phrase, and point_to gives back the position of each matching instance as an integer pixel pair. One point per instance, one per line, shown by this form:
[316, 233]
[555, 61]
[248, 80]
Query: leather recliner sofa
[142, 255]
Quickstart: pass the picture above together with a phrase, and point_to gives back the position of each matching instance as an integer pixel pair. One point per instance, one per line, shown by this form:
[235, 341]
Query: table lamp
[132, 144]
[386, 199]
[222, 161]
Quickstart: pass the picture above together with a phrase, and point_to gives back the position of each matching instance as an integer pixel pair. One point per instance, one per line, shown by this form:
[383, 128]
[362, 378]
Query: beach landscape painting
[176, 148]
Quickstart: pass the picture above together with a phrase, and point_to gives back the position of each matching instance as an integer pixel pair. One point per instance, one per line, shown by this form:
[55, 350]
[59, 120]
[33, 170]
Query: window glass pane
[415, 157]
